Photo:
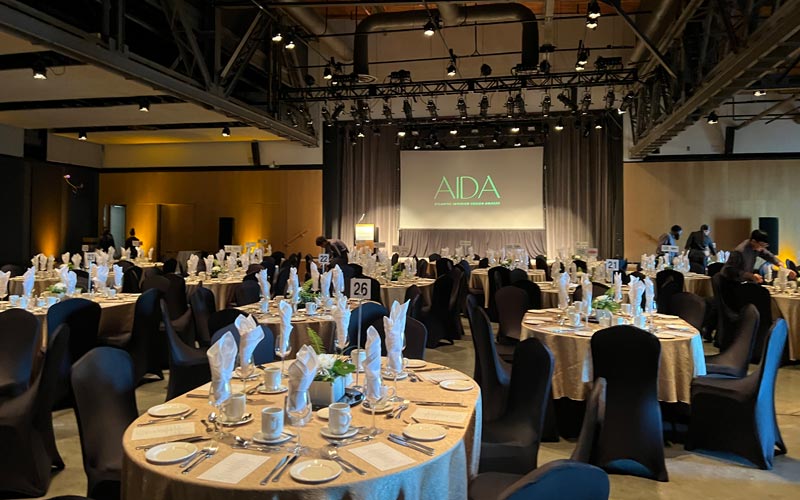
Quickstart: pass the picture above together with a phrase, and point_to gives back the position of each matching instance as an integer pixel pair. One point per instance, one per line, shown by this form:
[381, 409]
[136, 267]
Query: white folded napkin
[230, 263]
[285, 333]
[586, 289]
[446, 252]
[338, 279]
[244, 260]
[101, 277]
[4, 277]
[117, 276]
[372, 365]
[293, 284]
[618, 287]
[221, 360]
[555, 269]
[394, 327]
[100, 257]
[250, 334]
[341, 316]
[314, 276]
[650, 296]
[71, 282]
[563, 290]
[150, 254]
[28, 280]
[301, 374]
[263, 282]
[191, 264]
[35, 261]
[209, 263]
[258, 256]
[112, 252]
[62, 273]
[125, 254]
[65, 258]
[221, 256]
[51, 261]
[635, 292]
[325, 285]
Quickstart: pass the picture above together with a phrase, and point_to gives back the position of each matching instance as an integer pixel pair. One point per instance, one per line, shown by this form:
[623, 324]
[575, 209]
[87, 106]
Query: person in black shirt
[129, 243]
[335, 248]
[106, 240]
[700, 246]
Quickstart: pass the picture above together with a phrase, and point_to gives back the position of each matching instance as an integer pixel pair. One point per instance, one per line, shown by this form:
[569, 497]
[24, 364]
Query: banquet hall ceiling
[197, 82]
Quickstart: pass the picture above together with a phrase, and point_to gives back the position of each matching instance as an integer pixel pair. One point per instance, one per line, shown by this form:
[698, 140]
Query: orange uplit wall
[276, 205]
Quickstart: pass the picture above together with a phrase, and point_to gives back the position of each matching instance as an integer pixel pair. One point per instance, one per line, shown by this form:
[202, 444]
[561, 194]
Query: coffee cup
[233, 408]
[626, 309]
[357, 357]
[272, 378]
[13, 300]
[339, 418]
[311, 308]
[272, 422]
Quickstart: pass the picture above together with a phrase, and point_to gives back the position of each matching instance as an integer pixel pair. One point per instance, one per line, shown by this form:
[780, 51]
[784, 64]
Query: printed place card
[162, 431]
[445, 416]
[234, 468]
[438, 376]
[382, 456]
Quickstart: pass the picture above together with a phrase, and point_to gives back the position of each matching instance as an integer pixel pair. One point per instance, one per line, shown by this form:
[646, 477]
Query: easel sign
[360, 289]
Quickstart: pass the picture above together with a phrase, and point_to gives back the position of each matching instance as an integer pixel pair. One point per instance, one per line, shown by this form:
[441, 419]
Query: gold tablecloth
[787, 306]
[397, 290]
[480, 279]
[223, 289]
[445, 475]
[682, 359]
[116, 315]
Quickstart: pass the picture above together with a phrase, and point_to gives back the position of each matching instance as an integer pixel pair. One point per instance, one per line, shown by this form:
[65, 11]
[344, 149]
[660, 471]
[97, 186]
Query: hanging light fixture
[327, 74]
[401, 132]
[509, 106]
[593, 11]
[759, 93]
[712, 119]
[387, 112]
[82, 135]
[514, 128]
[583, 57]
[591, 23]
[517, 142]
[484, 106]
[519, 103]
[407, 110]
[598, 124]
[462, 144]
[453, 131]
[39, 71]
[144, 106]
[559, 125]
[429, 29]
[277, 37]
[546, 101]
[461, 105]
[226, 132]
[432, 110]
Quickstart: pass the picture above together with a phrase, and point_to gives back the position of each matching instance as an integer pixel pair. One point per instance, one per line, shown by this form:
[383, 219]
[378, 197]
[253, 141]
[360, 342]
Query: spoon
[333, 453]
[209, 428]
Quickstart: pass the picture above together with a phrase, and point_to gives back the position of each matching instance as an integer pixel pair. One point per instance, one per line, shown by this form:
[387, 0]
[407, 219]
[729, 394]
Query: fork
[209, 450]
[333, 453]
[169, 419]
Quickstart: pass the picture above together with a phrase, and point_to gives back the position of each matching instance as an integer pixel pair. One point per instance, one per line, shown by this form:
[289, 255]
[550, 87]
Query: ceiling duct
[315, 24]
[454, 16]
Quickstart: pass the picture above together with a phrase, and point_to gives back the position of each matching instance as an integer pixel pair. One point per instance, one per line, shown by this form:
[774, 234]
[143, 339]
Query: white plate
[258, 437]
[390, 376]
[533, 322]
[664, 336]
[237, 423]
[584, 334]
[326, 432]
[170, 453]
[168, 410]
[538, 311]
[262, 390]
[416, 363]
[456, 385]
[385, 408]
[425, 432]
[238, 374]
[667, 316]
[323, 413]
[679, 327]
[315, 471]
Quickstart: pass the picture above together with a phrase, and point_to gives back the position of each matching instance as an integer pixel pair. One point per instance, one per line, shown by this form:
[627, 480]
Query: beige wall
[276, 205]
[728, 195]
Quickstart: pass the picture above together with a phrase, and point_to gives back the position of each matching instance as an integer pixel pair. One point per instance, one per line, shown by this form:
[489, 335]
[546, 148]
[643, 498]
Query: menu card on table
[382, 456]
[445, 416]
[234, 468]
[438, 376]
[162, 431]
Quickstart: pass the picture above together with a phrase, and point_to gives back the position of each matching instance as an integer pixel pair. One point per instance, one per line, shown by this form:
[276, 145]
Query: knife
[439, 403]
[275, 469]
[413, 446]
[286, 466]
[192, 439]
[411, 441]
[176, 418]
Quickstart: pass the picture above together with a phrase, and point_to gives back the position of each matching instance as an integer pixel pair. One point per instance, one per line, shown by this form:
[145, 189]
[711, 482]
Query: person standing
[130, 246]
[742, 263]
[671, 238]
[106, 240]
[333, 247]
[700, 246]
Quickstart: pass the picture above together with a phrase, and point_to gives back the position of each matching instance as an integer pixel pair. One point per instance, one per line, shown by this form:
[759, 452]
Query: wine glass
[298, 417]
[396, 373]
[246, 372]
[282, 349]
[374, 400]
[216, 402]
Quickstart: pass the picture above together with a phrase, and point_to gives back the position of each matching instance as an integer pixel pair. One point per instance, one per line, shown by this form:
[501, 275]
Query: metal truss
[606, 78]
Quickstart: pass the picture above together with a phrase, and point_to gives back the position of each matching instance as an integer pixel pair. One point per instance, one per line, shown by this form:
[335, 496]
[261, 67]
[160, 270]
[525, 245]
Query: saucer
[390, 376]
[384, 408]
[323, 413]
[239, 422]
[259, 438]
[326, 432]
[264, 390]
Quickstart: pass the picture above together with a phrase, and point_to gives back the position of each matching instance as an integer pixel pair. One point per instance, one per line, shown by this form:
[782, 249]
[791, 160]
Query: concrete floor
[692, 475]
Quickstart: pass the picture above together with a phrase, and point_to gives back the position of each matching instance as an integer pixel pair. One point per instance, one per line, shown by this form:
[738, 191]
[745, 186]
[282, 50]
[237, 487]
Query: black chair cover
[178, 307]
[499, 277]
[734, 360]
[630, 439]
[714, 268]
[512, 303]
[422, 268]
[13, 269]
[188, 367]
[416, 335]
[458, 297]
[203, 306]
[170, 266]
[668, 283]
[436, 317]
[57, 353]
[738, 415]
[145, 335]
[517, 275]
[690, 307]
[102, 421]
[279, 290]
[264, 351]
[581, 265]
[156, 281]
[443, 266]
[541, 263]
[598, 289]
[556, 480]
[369, 312]
[483, 263]
[725, 306]
[791, 265]
[249, 292]
[221, 319]
[349, 273]
[131, 280]
[533, 291]
[511, 443]
[19, 330]
[492, 373]
[750, 293]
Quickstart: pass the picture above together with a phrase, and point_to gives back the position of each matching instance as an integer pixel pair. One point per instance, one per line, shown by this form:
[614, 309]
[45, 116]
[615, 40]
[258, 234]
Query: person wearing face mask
[671, 238]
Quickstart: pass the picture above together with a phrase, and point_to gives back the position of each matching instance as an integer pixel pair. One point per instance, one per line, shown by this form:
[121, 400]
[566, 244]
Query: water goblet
[299, 416]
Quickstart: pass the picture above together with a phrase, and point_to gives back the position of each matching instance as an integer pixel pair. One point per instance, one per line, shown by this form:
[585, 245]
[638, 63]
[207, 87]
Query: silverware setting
[347, 442]
[439, 403]
[442, 424]
[175, 418]
[414, 446]
[207, 452]
[333, 453]
[285, 466]
[274, 469]
[192, 439]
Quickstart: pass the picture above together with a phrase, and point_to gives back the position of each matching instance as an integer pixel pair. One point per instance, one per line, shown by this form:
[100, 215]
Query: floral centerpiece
[307, 294]
[507, 263]
[216, 269]
[605, 305]
[57, 289]
[331, 379]
[397, 271]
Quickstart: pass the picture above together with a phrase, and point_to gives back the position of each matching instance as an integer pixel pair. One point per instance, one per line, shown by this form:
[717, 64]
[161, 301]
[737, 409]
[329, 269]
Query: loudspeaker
[225, 231]
[770, 226]
[256, 153]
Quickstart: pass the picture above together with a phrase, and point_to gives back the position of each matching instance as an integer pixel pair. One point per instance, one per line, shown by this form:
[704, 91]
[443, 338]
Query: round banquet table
[698, 284]
[444, 475]
[223, 288]
[473, 264]
[786, 305]
[480, 279]
[40, 284]
[396, 290]
[682, 356]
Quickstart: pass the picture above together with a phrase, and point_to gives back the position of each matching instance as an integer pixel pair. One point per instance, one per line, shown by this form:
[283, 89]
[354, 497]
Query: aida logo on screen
[466, 190]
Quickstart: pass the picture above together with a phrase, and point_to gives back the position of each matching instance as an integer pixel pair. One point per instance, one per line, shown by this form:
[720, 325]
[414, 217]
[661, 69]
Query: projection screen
[476, 189]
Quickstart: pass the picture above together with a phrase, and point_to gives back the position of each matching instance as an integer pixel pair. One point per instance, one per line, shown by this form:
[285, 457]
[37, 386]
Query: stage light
[514, 129]
[517, 142]
[509, 107]
[593, 11]
[626, 103]
[407, 110]
[327, 74]
[226, 132]
[519, 103]
[486, 70]
[337, 111]
[453, 131]
[462, 144]
[277, 37]
[712, 119]
[432, 110]
[416, 145]
[387, 113]
[481, 144]
[39, 71]
[144, 106]
[401, 132]
[583, 57]
[546, 105]
[598, 125]
[567, 101]
[352, 136]
[82, 135]
[462, 107]
[559, 125]
[586, 102]
[484, 106]
[326, 115]
[429, 29]
[496, 135]
[309, 80]
[544, 66]
[451, 70]
[759, 93]
[591, 23]
[610, 99]
[290, 45]
[531, 142]
[360, 133]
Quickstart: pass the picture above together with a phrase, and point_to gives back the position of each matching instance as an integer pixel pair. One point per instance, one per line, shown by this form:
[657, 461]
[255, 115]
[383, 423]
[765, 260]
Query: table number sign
[84, 248]
[360, 288]
[612, 264]
[670, 248]
[324, 259]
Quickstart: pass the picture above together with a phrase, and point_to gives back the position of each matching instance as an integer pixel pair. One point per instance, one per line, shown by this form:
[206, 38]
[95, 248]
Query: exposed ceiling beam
[98, 102]
[19, 19]
[675, 29]
[765, 112]
[158, 126]
[773, 39]
[641, 35]
[25, 60]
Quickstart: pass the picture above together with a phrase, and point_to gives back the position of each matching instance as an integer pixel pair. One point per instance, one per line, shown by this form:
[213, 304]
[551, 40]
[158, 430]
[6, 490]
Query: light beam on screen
[479, 189]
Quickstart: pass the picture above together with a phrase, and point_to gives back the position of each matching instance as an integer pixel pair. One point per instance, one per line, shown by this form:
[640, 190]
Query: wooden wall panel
[275, 205]
[730, 196]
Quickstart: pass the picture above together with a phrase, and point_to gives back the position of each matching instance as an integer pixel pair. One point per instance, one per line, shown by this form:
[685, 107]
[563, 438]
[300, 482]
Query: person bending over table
[700, 246]
[671, 238]
[742, 261]
[335, 248]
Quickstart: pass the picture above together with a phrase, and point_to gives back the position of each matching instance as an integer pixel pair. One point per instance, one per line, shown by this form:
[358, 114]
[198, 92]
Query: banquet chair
[264, 351]
[668, 283]
[556, 480]
[714, 268]
[483, 263]
[25, 463]
[581, 265]
[144, 335]
[629, 439]
[735, 359]
[437, 316]
[105, 372]
[358, 271]
[278, 257]
[281, 279]
[422, 268]
[499, 277]
[254, 268]
[443, 266]
[751, 293]
[689, 307]
[81, 279]
[416, 335]
[791, 265]
[511, 442]
[512, 303]
[268, 263]
[725, 306]
[188, 366]
[598, 289]
[348, 273]
[203, 306]
[82, 316]
[13, 269]
[221, 318]
[125, 265]
[434, 256]
[369, 312]
[517, 275]
[249, 292]
[491, 372]
[458, 298]
[395, 258]
[738, 415]
[533, 291]
[375, 290]
[179, 313]
[156, 281]
[541, 263]
[57, 351]
[131, 280]
[170, 266]
[464, 265]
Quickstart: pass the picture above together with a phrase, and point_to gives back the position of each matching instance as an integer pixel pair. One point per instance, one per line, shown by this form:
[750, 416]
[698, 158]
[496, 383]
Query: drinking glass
[282, 351]
[375, 400]
[298, 418]
[216, 402]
